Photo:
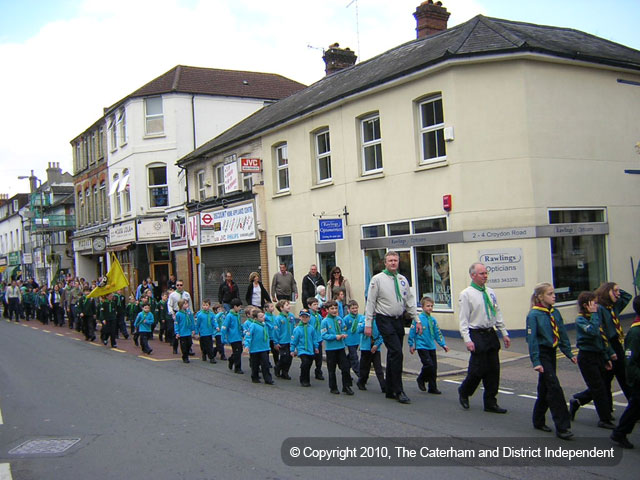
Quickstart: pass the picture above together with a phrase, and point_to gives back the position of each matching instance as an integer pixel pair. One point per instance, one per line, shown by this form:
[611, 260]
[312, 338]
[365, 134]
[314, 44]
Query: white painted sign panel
[505, 267]
[232, 224]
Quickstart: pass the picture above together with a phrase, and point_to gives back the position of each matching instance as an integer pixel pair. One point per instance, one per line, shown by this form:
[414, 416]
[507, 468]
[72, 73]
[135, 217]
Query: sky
[63, 61]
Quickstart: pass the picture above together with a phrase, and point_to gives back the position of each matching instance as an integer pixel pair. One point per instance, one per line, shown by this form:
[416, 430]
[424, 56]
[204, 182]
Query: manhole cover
[42, 446]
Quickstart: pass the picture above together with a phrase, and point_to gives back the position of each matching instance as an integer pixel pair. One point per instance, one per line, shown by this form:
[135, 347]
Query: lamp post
[35, 184]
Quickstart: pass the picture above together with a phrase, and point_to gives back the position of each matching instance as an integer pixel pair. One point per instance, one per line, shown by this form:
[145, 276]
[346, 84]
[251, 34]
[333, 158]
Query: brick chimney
[431, 18]
[54, 173]
[336, 58]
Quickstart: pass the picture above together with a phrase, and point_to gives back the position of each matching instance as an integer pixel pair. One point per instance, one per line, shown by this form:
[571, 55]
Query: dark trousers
[392, 331]
[44, 314]
[429, 371]
[185, 346]
[122, 326]
[353, 359]
[550, 394]
[631, 414]
[305, 368]
[57, 314]
[110, 332]
[338, 358]
[235, 360]
[591, 366]
[284, 362]
[219, 348]
[318, 359]
[144, 341]
[366, 359]
[618, 371]
[484, 365]
[260, 361]
[206, 347]
[275, 353]
[88, 326]
[28, 311]
[14, 307]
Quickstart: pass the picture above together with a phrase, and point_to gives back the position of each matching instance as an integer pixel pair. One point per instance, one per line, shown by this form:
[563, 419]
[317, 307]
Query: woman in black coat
[256, 295]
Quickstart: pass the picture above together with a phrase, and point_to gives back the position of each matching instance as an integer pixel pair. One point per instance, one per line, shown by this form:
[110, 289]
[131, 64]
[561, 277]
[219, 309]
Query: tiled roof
[479, 36]
[212, 81]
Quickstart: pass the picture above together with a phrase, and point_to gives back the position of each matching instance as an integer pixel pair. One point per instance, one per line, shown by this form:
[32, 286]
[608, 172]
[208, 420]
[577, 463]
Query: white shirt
[473, 315]
[382, 298]
[256, 296]
[174, 298]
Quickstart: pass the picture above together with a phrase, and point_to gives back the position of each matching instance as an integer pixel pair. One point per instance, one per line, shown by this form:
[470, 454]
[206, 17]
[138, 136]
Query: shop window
[578, 262]
[373, 264]
[433, 275]
[401, 228]
[326, 261]
[373, 231]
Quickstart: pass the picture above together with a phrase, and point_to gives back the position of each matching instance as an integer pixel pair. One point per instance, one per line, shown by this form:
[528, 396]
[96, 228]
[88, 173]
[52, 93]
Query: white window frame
[96, 205]
[426, 129]
[126, 190]
[122, 126]
[113, 134]
[200, 185]
[282, 165]
[324, 156]
[370, 143]
[219, 168]
[150, 187]
[117, 206]
[151, 118]
[103, 200]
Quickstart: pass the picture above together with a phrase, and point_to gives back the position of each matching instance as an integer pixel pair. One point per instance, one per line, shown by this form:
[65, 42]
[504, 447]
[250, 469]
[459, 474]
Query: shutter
[239, 259]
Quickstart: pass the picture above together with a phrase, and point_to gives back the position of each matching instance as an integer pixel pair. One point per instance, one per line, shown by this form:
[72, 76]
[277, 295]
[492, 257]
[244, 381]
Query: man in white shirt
[480, 316]
[14, 297]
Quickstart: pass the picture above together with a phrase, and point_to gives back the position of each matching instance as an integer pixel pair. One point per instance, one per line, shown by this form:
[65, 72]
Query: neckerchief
[554, 325]
[306, 335]
[315, 319]
[603, 335]
[616, 323]
[489, 308]
[636, 322]
[430, 324]
[395, 281]
[354, 324]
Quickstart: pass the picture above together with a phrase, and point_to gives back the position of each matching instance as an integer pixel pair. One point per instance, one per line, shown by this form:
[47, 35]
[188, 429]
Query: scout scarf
[616, 323]
[554, 325]
[287, 321]
[306, 335]
[354, 324]
[489, 308]
[395, 281]
[603, 335]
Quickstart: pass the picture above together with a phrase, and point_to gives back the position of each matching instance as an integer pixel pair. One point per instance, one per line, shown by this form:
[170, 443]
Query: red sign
[250, 165]
[207, 219]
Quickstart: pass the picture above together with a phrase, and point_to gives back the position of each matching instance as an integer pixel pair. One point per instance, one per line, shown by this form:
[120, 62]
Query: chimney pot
[430, 18]
[336, 58]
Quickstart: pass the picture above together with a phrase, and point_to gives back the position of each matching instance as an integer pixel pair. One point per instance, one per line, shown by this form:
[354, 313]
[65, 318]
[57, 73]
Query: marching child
[425, 344]
[205, 327]
[86, 309]
[351, 321]
[232, 335]
[304, 344]
[219, 319]
[332, 333]
[132, 311]
[144, 324]
[285, 323]
[163, 313]
[370, 353]
[545, 334]
[108, 316]
[256, 343]
[27, 303]
[270, 319]
[315, 321]
[184, 328]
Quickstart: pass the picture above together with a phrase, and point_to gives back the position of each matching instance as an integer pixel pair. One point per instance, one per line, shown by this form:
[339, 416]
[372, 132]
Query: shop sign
[153, 229]
[81, 244]
[505, 267]
[193, 229]
[177, 231]
[250, 165]
[232, 224]
[330, 229]
[122, 233]
[14, 258]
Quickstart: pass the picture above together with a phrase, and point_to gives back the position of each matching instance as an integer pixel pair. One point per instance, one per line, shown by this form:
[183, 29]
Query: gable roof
[213, 81]
[479, 36]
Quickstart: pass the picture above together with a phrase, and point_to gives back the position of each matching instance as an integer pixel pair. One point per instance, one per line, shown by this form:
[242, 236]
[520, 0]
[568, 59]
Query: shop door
[161, 272]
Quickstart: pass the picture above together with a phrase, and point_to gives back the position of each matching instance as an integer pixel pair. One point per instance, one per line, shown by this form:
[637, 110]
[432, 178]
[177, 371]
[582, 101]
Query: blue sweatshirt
[206, 323]
[304, 346]
[231, 328]
[351, 329]
[285, 325]
[144, 321]
[183, 324]
[257, 337]
[365, 342]
[429, 336]
[331, 327]
[315, 321]
[219, 321]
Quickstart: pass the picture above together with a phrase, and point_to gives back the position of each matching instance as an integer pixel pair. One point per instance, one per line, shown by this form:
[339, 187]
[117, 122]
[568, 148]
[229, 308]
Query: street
[127, 417]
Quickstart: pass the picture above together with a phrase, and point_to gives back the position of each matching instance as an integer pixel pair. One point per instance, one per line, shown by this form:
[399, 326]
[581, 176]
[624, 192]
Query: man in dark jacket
[310, 283]
[228, 291]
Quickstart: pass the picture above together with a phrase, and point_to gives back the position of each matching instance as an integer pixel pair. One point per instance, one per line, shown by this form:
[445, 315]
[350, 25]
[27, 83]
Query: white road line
[619, 392]
[1, 421]
[528, 396]
[5, 471]
[453, 381]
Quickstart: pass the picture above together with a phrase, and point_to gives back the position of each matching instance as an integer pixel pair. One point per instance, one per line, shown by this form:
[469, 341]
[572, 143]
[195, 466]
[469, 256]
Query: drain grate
[44, 446]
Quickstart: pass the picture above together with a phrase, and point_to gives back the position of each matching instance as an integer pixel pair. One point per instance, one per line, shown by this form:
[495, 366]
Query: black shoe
[463, 399]
[239, 372]
[335, 391]
[574, 405]
[269, 382]
[93, 339]
[390, 396]
[175, 351]
[186, 360]
[319, 376]
[204, 357]
[149, 352]
[564, 435]
[223, 358]
[495, 409]
[542, 427]
[421, 385]
[191, 352]
[347, 390]
[213, 360]
[285, 376]
[606, 424]
[255, 380]
[126, 337]
[621, 440]
[114, 345]
[305, 384]
[136, 343]
[434, 391]
[104, 342]
[230, 364]
[361, 386]
[402, 398]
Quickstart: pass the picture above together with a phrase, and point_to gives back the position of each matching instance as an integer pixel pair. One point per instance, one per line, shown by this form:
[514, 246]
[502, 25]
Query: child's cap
[304, 313]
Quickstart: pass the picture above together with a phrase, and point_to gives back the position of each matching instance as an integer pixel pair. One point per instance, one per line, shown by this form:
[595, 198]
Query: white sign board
[153, 229]
[505, 267]
[499, 234]
[231, 183]
[123, 233]
[193, 227]
[232, 224]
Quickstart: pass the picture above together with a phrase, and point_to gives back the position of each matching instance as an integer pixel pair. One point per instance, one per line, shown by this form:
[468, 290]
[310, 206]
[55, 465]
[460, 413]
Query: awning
[124, 181]
[118, 248]
[113, 187]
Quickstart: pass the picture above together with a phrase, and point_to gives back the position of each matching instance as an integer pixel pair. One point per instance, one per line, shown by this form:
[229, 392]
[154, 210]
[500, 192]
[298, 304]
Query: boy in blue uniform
[332, 333]
[144, 324]
[205, 328]
[220, 314]
[284, 324]
[304, 344]
[425, 344]
[315, 321]
[184, 328]
[351, 321]
[232, 335]
[370, 353]
[270, 319]
[256, 342]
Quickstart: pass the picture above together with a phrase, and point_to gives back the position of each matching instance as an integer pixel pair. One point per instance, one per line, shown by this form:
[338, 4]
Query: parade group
[334, 322]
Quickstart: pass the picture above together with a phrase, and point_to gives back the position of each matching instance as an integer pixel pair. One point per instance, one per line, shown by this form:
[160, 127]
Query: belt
[389, 317]
[483, 330]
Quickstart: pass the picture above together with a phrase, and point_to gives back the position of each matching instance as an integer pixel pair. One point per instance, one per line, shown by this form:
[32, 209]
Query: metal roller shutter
[239, 259]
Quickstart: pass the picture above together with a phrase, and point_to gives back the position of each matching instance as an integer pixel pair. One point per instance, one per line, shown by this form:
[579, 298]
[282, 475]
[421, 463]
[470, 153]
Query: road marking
[505, 393]
[528, 396]
[59, 335]
[46, 331]
[158, 359]
[35, 328]
[24, 324]
[453, 381]
[5, 471]
[74, 338]
[1, 421]
[118, 350]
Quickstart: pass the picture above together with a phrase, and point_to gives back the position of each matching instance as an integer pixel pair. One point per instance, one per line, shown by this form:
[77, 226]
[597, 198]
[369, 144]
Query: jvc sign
[330, 229]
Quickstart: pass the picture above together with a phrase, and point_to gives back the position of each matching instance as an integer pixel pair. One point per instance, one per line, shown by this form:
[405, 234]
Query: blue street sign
[330, 229]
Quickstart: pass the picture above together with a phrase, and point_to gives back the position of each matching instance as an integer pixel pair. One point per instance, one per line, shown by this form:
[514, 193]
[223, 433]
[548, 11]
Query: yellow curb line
[158, 359]
[46, 331]
[118, 350]
[59, 335]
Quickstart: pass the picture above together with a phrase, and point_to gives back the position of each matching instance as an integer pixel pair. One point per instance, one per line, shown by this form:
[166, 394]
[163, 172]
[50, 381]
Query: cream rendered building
[494, 140]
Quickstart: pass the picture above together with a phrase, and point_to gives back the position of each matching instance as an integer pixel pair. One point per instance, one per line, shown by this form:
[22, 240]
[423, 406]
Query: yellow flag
[115, 280]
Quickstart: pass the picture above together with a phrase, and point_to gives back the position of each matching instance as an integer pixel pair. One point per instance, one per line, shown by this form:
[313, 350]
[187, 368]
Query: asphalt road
[133, 418]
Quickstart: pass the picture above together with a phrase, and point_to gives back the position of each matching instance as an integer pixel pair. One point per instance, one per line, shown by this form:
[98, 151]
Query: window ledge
[371, 176]
[154, 135]
[281, 194]
[322, 185]
[430, 166]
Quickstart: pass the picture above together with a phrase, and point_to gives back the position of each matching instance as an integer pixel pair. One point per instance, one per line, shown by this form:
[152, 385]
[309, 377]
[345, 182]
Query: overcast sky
[63, 61]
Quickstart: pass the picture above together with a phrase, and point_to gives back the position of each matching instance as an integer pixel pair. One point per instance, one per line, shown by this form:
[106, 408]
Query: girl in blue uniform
[184, 328]
[256, 342]
[304, 345]
[143, 325]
